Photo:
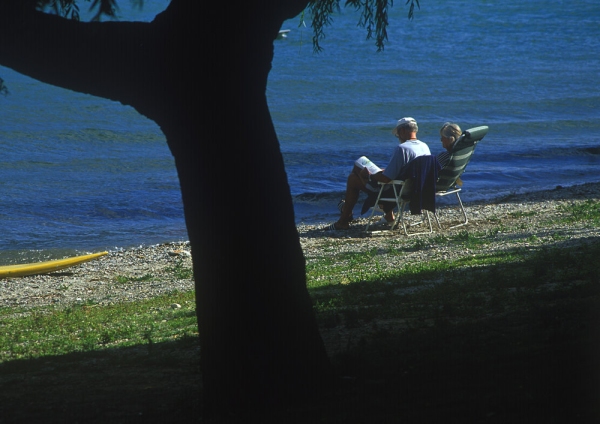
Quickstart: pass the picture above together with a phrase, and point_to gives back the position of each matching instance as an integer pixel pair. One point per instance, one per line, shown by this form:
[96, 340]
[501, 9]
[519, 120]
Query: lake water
[79, 173]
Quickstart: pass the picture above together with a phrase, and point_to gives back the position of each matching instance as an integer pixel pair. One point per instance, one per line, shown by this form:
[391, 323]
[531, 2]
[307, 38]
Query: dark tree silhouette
[201, 75]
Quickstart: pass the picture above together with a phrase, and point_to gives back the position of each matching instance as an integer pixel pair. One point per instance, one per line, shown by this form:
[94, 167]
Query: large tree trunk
[205, 88]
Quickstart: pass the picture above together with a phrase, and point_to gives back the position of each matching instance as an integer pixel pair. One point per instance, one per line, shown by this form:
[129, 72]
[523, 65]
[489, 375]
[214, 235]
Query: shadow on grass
[514, 368]
[150, 383]
[512, 342]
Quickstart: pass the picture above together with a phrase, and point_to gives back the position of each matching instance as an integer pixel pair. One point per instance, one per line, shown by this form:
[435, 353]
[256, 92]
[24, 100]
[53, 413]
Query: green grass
[86, 327]
[522, 214]
[122, 279]
[180, 271]
[350, 267]
[469, 287]
[587, 211]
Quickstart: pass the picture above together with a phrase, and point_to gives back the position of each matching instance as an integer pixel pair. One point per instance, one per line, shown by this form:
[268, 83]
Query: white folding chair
[395, 196]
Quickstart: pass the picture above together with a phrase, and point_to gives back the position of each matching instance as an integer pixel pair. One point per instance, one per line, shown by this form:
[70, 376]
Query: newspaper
[365, 162]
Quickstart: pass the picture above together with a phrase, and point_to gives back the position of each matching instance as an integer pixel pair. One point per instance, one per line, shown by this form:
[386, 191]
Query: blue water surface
[525, 69]
[82, 173]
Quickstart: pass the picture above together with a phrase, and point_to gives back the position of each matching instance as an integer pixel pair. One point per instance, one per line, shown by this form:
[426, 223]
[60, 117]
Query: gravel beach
[531, 219]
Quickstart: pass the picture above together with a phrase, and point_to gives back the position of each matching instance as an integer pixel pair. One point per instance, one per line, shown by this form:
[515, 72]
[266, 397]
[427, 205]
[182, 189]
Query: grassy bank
[50, 331]
[349, 290]
[508, 329]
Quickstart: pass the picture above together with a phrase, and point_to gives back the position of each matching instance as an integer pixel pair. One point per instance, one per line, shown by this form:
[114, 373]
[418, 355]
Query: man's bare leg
[354, 185]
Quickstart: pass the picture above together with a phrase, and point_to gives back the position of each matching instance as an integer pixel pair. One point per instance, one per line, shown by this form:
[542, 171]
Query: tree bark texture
[203, 80]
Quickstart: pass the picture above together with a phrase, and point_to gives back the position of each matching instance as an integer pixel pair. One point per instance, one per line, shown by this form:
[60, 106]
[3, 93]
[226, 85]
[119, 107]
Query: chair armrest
[397, 182]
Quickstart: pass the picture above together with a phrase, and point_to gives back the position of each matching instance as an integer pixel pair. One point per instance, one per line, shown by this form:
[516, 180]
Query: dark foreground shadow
[152, 383]
[481, 372]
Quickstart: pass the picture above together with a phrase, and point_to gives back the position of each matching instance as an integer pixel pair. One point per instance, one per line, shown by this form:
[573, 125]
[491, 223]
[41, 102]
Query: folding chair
[449, 177]
[415, 189]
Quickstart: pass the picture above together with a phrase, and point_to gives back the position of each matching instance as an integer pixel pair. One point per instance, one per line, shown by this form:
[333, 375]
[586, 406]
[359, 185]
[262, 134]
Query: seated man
[409, 148]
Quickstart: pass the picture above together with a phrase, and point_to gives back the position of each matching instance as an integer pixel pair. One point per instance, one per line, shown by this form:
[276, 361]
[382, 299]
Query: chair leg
[400, 218]
[396, 222]
[437, 219]
[421, 222]
[399, 205]
[373, 209]
[429, 221]
[370, 218]
[464, 212]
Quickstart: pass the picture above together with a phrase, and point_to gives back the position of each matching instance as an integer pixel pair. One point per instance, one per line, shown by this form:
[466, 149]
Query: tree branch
[106, 59]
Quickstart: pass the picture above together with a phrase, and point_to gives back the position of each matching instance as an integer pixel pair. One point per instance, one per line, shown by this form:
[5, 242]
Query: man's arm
[380, 177]
[399, 159]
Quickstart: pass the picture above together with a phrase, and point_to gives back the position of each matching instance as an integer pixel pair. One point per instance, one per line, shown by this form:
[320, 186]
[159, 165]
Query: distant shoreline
[530, 220]
[575, 191]
[580, 191]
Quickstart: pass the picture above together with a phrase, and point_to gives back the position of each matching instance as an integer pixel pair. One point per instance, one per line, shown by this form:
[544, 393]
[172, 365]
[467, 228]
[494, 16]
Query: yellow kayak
[45, 267]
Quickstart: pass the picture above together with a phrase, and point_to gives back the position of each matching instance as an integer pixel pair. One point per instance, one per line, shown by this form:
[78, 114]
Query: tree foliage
[373, 17]
[70, 8]
[373, 14]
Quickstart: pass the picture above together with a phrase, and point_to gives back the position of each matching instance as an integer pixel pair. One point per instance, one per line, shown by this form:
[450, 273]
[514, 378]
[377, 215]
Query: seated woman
[449, 133]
